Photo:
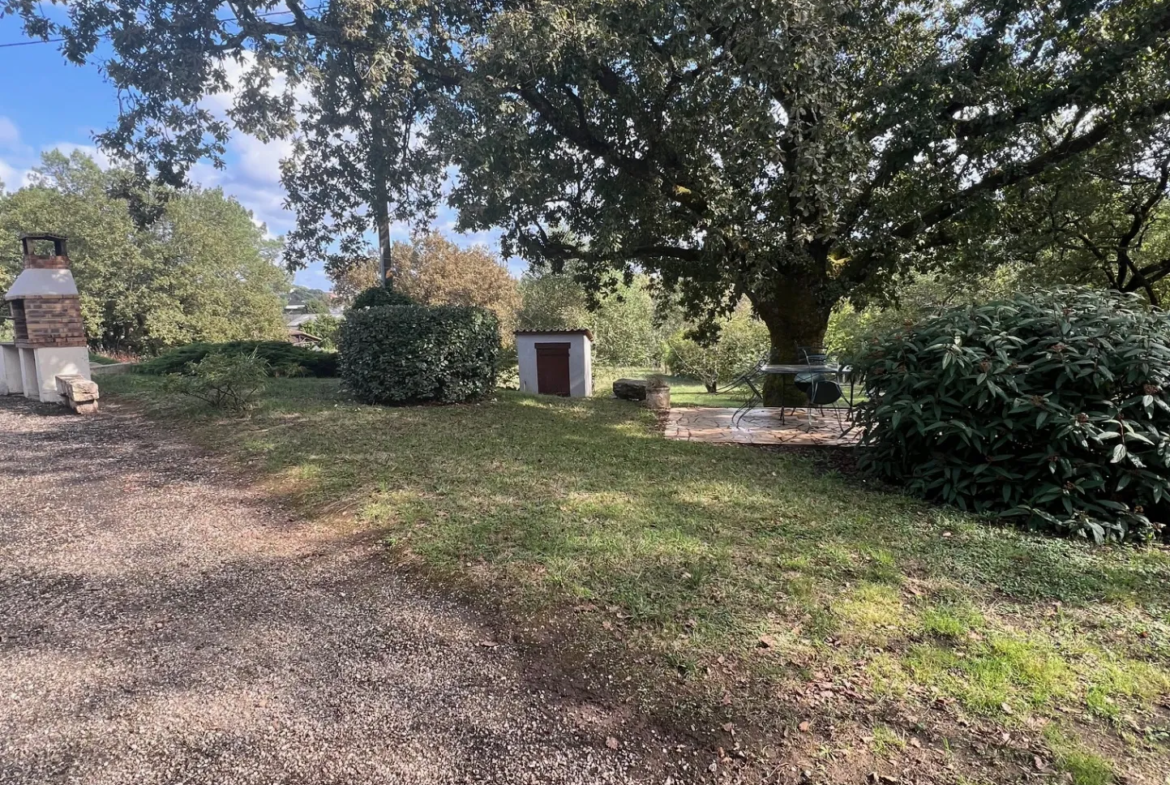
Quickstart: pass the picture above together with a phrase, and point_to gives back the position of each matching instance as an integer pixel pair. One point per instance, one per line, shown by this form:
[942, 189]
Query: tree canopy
[435, 271]
[201, 270]
[1103, 219]
[630, 325]
[794, 152]
[351, 277]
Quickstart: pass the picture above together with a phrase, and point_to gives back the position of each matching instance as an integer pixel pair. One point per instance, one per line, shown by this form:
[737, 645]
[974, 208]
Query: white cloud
[206, 175]
[10, 177]
[266, 204]
[260, 161]
[9, 134]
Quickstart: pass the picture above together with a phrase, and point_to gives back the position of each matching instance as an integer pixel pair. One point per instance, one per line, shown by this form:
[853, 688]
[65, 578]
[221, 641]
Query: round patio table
[784, 370]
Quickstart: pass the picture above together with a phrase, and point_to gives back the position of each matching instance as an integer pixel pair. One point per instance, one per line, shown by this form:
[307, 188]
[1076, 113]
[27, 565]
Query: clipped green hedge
[282, 358]
[416, 353]
[1050, 409]
[377, 296]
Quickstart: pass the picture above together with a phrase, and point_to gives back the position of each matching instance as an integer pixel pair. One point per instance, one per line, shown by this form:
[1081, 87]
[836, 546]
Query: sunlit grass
[684, 391]
[1082, 766]
[703, 549]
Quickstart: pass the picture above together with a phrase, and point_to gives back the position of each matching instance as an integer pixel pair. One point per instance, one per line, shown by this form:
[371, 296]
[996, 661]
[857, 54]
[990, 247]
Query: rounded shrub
[377, 296]
[1048, 408]
[399, 354]
[283, 359]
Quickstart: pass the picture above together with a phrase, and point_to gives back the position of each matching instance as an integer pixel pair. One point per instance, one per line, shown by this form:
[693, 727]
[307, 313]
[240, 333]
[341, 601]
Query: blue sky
[46, 103]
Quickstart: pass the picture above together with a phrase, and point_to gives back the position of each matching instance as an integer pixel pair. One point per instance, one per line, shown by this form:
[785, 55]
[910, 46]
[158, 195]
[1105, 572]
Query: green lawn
[752, 582]
[683, 391]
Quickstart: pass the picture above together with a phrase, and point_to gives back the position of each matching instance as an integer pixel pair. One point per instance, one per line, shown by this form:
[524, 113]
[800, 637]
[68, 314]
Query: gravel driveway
[160, 622]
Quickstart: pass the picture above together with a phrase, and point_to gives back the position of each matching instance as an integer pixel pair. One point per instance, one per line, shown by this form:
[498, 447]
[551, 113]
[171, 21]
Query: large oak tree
[794, 152]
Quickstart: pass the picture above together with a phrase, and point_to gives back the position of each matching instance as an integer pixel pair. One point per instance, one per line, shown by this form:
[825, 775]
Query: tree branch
[1002, 177]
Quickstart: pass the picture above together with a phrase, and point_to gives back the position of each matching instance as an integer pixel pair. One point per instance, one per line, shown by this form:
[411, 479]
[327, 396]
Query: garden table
[784, 370]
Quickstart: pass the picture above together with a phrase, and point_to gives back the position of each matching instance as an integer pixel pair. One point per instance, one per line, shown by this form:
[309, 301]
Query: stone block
[79, 393]
[630, 389]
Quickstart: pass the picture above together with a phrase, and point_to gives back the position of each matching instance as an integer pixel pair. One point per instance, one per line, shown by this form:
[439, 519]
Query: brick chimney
[46, 316]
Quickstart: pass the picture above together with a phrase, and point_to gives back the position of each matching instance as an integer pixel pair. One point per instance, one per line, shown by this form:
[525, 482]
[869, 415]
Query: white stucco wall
[52, 361]
[28, 373]
[10, 383]
[580, 361]
[45, 282]
[33, 371]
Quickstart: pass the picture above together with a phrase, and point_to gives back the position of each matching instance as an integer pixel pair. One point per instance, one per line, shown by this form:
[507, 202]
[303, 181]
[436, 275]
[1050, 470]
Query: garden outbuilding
[555, 362]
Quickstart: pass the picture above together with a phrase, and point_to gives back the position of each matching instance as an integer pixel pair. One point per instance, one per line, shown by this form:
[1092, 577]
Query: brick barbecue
[49, 334]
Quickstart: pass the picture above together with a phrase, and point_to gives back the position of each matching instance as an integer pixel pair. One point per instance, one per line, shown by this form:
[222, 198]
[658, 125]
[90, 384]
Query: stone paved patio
[759, 426]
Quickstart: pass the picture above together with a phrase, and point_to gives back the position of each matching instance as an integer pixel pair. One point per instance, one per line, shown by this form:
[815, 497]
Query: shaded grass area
[684, 391]
[723, 560]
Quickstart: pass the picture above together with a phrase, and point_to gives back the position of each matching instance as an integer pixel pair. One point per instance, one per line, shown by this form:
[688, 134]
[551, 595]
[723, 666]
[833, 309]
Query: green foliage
[742, 342]
[216, 276]
[915, 297]
[314, 300]
[416, 353]
[791, 151]
[200, 271]
[325, 327]
[1049, 408]
[378, 296]
[1102, 219]
[628, 326]
[283, 358]
[433, 270]
[223, 380]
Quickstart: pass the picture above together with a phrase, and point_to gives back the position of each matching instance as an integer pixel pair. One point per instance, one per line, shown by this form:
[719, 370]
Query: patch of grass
[1113, 682]
[887, 741]
[684, 391]
[871, 613]
[548, 503]
[98, 359]
[950, 621]
[1001, 676]
[1083, 766]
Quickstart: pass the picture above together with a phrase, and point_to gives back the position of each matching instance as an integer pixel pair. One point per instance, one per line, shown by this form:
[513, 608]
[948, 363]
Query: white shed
[555, 362]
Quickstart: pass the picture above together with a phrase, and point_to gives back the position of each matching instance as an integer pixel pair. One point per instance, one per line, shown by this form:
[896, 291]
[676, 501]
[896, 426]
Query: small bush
[377, 296]
[283, 359]
[416, 353]
[1049, 408]
[224, 381]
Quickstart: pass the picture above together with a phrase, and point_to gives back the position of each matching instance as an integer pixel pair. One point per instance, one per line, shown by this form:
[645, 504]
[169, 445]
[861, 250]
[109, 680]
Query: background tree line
[799, 153]
[155, 266]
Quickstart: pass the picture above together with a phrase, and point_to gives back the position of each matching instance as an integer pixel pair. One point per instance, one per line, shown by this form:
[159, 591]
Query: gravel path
[162, 623]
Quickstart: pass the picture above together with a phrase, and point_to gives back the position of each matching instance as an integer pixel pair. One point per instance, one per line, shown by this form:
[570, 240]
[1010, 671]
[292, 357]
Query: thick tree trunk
[796, 315]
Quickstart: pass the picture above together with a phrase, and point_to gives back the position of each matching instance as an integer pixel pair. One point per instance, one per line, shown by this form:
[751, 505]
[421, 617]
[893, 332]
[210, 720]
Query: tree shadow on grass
[182, 628]
[552, 504]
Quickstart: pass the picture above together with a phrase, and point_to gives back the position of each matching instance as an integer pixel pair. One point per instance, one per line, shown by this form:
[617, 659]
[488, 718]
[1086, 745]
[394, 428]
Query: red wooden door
[552, 368]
